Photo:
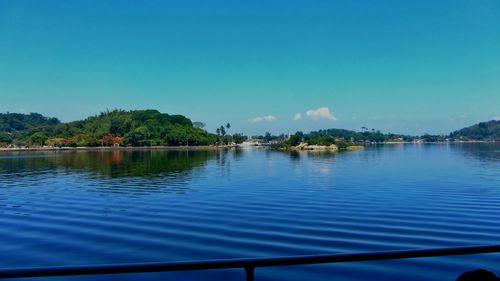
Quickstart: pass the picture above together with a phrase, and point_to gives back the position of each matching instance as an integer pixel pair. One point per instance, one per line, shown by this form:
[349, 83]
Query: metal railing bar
[250, 273]
[249, 264]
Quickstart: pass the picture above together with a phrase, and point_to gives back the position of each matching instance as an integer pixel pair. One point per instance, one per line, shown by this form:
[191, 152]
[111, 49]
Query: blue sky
[398, 66]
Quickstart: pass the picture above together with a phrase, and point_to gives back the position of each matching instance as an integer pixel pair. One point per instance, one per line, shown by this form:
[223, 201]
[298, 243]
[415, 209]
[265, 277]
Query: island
[116, 128]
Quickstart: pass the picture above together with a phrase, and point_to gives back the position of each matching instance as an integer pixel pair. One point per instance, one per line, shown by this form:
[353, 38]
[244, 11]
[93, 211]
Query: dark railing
[248, 265]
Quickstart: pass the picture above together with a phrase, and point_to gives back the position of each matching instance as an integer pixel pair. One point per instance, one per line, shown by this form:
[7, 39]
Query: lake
[79, 208]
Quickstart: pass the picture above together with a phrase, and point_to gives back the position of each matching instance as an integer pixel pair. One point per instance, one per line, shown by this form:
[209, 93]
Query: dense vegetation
[340, 137]
[486, 131]
[14, 126]
[152, 128]
[117, 127]
[482, 131]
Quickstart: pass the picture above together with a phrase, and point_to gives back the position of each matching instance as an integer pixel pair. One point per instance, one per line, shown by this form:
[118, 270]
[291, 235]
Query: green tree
[222, 131]
[239, 138]
[199, 125]
[139, 136]
[5, 138]
[268, 137]
[295, 139]
[38, 138]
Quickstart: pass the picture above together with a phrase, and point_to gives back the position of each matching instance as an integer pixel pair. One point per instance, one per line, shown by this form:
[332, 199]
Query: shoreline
[201, 147]
[121, 148]
[433, 142]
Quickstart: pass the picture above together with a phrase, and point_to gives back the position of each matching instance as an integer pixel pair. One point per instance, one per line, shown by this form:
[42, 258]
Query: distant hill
[483, 131]
[14, 126]
[486, 131]
[18, 122]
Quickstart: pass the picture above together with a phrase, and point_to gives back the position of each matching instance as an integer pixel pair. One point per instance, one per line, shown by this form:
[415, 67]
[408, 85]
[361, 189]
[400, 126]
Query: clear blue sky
[398, 66]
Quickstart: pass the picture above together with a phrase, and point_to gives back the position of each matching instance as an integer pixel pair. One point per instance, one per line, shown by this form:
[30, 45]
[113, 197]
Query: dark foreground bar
[248, 264]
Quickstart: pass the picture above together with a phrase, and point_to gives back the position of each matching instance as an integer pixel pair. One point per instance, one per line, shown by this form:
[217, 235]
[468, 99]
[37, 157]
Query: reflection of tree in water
[115, 171]
[484, 152]
[294, 155]
[126, 164]
[222, 158]
[18, 165]
[114, 164]
[225, 157]
[237, 153]
[297, 155]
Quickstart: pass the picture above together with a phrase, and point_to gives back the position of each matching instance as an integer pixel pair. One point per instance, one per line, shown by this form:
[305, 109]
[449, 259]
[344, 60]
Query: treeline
[153, 128]
[339, 137]
[364, 136]
[117, 127]
[485, 131]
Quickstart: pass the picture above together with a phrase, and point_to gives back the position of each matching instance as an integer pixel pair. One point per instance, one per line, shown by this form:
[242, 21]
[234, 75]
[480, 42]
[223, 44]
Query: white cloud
[297, 116]
[268, 118]
[321, 113]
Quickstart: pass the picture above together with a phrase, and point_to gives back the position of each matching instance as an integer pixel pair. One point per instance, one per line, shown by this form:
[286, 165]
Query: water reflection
[111, 164]
[294, 156]
[126, 172]
[484, 152]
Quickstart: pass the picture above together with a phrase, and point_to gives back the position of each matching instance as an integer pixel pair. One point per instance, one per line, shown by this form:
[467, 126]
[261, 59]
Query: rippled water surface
[78, 208]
